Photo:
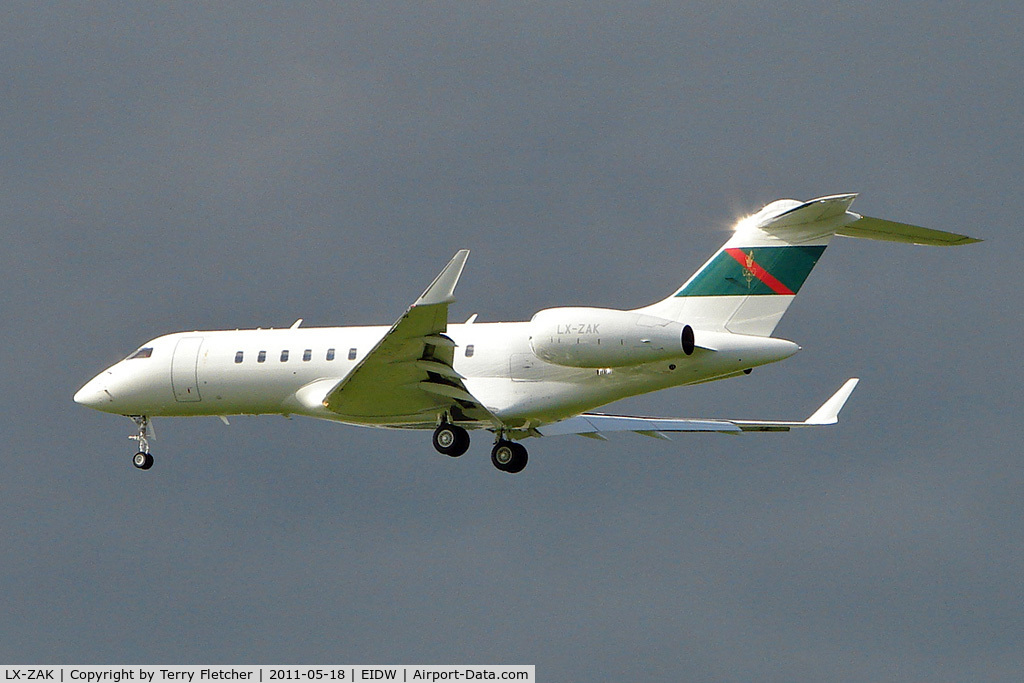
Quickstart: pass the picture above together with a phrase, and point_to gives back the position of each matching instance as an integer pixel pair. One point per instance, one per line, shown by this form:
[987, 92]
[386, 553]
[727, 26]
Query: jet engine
[606, 338]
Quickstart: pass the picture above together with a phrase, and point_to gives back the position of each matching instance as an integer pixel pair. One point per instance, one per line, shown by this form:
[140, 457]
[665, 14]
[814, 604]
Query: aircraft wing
[407, 379]
[596, 425]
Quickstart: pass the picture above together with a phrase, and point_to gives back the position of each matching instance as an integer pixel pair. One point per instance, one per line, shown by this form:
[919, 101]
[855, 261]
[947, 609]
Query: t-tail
[746, 287]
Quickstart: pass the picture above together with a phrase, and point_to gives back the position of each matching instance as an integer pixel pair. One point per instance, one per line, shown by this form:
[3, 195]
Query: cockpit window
[141, 353]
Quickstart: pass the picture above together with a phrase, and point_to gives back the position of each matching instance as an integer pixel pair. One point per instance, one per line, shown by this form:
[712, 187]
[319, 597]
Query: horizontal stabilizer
[891, 231]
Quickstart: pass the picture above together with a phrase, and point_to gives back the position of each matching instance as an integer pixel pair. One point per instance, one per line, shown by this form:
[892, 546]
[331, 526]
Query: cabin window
[142, 353]
[284, 355]
[239, 356]
[469, 351]
[261, 357]
[307, 354]
[330, 354]
[351, 354]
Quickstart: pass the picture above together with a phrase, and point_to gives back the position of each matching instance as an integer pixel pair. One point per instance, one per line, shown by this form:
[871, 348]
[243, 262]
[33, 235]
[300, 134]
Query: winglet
[828, 413]
[442, 288]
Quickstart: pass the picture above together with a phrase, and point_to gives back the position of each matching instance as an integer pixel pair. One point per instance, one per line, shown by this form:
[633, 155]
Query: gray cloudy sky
[181, 166]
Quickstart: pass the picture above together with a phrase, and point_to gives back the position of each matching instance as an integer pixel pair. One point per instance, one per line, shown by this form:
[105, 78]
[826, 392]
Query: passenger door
[184, 378]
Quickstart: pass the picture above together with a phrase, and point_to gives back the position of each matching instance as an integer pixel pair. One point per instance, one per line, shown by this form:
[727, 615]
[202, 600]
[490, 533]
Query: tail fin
[749, 283]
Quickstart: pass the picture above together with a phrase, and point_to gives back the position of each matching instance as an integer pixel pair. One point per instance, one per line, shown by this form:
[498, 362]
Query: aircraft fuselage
[288, 371]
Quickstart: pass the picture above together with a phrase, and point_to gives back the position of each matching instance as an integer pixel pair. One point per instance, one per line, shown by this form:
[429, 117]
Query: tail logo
[752, 271]
[748, 269]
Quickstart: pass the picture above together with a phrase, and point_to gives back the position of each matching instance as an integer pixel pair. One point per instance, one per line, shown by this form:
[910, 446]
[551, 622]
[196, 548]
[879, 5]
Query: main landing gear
[509, 456]
[451, 439]
[142, 460]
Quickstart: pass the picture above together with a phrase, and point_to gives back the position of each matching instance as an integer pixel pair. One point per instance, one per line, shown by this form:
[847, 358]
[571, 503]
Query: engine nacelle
[606, 338]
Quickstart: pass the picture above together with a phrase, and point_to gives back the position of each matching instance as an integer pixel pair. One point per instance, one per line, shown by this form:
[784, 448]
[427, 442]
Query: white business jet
[514, 379]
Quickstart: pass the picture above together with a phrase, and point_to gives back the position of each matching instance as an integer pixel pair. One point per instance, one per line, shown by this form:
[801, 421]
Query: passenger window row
[307, 355]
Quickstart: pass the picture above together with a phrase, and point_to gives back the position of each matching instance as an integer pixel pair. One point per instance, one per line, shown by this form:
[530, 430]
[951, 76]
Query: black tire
[451, 440]
[502, 454]
[509, 456]
[519, 460]
[142, 461]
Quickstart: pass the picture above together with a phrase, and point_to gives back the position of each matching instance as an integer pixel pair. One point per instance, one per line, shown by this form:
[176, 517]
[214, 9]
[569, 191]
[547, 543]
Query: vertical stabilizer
[749, 283]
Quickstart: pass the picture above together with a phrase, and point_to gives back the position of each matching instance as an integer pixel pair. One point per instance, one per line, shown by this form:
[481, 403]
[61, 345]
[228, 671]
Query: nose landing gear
[142, 460]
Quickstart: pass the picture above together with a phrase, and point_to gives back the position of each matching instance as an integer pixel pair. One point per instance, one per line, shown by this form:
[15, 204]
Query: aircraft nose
[94, 394]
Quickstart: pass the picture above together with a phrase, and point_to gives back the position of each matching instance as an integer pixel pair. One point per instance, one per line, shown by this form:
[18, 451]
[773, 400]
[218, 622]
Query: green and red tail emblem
[754, 271]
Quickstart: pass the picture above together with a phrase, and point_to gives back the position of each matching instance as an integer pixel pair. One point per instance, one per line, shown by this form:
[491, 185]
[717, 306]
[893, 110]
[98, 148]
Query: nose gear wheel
[143, 461]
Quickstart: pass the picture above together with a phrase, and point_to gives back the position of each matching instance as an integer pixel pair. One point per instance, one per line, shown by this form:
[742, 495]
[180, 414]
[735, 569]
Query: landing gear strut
[509, 456]
[451, 439]
[142, 460]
